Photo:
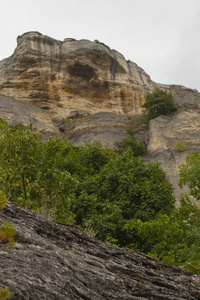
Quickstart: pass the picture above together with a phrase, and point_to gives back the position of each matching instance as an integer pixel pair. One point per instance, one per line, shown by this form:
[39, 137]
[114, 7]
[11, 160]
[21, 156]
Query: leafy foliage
[3, 201]
[6, 232]
[6, 240]
[31, 171]
[4, 294]
[124, 188]
[190, 174]
[138, 148]
[179, 146]
[174, 238]
[158, 103]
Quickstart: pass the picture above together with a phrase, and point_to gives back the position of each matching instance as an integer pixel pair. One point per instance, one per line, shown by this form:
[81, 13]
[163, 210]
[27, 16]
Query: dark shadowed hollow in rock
[56, 261]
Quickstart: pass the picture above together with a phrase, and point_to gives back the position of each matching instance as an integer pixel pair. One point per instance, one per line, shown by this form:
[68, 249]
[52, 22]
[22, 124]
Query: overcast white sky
[161, 36]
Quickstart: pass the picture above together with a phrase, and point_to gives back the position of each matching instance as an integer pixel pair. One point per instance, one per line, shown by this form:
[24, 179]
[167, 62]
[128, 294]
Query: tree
[173, 238]
[158, 103]
[20, 150]
[123, 189]
[190, 174]
[6, 240]
[31, 172]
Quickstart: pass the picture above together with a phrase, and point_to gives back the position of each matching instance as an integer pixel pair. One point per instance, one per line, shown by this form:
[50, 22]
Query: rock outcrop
[56, 261]
[17, 112]
[104, 127]
[65, 76]
[182, 126]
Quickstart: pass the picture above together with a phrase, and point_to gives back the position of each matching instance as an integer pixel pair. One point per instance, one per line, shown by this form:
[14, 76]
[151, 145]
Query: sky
[160, 36]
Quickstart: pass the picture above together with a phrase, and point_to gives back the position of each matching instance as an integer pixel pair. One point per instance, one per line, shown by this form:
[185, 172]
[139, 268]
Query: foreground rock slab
[56, 261]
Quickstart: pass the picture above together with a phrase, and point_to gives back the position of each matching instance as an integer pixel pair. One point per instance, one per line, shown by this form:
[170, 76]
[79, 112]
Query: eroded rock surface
[55, 261]
[70, 75]
[104, 127]
[25, 114]
[164, 131]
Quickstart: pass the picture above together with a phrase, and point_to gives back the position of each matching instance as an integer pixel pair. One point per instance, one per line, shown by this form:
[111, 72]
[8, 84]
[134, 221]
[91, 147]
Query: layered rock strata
[19, 113]
[65, 76]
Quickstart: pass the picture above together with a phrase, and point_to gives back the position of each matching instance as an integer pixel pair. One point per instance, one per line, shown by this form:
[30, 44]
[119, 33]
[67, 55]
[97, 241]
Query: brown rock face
[70, 75]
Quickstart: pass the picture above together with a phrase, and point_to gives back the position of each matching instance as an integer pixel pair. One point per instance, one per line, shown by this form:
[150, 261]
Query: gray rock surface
[24, 114]
[164, 131]
[55, 261]
[104, 127]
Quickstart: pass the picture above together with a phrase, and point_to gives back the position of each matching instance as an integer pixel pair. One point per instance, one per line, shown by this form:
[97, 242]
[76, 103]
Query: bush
[158, 103]
[173, 238]
[4, 294]
[138, 148]
[179, 146]
[6, 239]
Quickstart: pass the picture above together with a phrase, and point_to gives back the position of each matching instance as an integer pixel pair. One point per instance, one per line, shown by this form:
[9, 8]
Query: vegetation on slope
[6, 240]
[116, 195]
[158, 103]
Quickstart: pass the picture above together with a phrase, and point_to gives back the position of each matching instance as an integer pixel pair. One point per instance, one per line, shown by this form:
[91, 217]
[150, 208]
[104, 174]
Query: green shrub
[6, 239]
[138, 148]
[173, 239]
[4, 294]
[158, 103]
[179, 146]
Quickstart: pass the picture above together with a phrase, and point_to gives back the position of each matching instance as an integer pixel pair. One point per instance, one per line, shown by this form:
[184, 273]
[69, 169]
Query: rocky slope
[24, 113]
[56, 261]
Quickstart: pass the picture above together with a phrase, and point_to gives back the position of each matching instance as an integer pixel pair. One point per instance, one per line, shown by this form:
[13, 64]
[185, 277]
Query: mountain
[87, 92]
[56, 261]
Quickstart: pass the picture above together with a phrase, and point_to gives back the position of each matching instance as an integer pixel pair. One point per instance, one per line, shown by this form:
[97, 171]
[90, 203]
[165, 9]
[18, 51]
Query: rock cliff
[69, 75]
[87, 92]
[56, 261]
[182, 126]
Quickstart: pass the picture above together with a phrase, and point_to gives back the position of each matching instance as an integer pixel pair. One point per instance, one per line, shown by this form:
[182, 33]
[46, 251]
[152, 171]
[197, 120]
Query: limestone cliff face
[164, 131]
[65, 76]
